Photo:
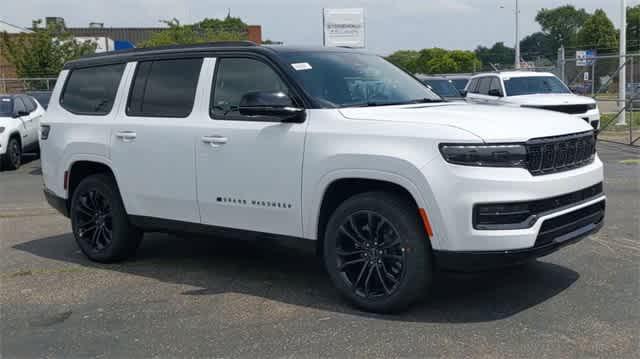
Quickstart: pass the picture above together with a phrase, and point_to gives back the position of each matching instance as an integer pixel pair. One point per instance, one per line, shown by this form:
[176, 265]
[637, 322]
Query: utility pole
[518, 36]
[622, 81]
[561, 64]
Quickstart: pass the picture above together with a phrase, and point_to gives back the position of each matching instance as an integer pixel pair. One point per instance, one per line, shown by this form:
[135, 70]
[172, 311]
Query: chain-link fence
[22, 85]
[599, 77]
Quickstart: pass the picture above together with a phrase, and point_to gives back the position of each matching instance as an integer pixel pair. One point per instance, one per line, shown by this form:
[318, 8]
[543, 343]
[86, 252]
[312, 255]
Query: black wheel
[12, 159]
[377, 252]
[99, 221]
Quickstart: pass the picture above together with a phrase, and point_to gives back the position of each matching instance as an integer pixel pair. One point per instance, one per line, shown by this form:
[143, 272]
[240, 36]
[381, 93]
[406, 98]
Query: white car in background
[19, 126]
[542, 90]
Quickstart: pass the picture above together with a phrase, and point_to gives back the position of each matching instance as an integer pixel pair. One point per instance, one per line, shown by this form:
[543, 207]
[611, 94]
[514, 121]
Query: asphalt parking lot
[211, 297]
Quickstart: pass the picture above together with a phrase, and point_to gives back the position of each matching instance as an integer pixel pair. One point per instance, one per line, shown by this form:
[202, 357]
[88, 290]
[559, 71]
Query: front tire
[12, 159]
[377, 252]
[99, 221]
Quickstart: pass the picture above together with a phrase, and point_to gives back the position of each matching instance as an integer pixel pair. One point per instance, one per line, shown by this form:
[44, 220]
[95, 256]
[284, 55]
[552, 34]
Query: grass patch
[633, 119]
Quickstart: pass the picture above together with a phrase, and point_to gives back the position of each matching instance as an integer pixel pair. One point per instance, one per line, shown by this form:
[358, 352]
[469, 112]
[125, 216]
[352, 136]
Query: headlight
[506, 155]
[1, 129]
[591, 106]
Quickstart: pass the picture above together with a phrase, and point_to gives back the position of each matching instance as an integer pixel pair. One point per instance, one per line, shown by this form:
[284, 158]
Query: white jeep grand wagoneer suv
[332, 145]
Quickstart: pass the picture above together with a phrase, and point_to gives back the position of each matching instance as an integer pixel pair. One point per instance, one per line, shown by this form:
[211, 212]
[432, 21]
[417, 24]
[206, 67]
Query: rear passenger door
[249, 176]
[152, 139]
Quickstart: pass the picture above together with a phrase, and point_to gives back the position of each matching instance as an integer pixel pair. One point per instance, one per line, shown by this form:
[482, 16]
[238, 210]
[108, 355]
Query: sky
[390, 24]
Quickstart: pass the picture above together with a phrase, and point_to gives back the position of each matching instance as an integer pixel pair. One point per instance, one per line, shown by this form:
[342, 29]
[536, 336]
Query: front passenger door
[20, 109]
[249, 168]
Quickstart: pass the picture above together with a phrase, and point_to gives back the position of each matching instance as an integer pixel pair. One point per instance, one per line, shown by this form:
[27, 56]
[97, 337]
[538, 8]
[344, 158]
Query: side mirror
[20, 114]
[463, 93]
[495, 93]
[273, 104]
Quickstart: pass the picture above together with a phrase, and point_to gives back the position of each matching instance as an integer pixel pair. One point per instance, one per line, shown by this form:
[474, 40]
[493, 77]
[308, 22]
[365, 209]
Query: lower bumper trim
[485, 260]
[58, 203]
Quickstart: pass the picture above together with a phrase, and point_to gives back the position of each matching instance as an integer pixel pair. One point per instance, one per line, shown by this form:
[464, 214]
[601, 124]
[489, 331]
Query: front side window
[473, 86]
[164, 88]
[29, 103]
[346, 79]
[92, 90]
[19, 106]
[235, 77]
[517, 86]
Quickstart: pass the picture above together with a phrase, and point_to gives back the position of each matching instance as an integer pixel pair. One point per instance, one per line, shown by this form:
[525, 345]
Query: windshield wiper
[427, 100]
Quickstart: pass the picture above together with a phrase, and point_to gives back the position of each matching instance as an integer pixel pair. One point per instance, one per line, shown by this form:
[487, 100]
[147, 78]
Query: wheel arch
[17, 135]
[340, 188]
[81, 168]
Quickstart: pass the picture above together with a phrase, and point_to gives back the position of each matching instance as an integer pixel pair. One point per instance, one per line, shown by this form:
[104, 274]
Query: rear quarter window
[92, 90]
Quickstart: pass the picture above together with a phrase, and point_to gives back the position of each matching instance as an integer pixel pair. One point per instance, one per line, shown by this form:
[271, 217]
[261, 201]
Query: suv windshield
[342, 79]
[460, 84]
[443, 87]
[6, 106]
[516, 86]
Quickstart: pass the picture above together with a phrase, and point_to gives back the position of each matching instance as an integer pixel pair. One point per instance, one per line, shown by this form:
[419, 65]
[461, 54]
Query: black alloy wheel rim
[370, 256]
[94, 220]
[14, 154]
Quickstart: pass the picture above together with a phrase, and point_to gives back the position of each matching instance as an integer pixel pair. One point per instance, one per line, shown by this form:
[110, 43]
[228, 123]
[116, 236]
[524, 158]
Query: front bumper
[454, 190]
[479, 260]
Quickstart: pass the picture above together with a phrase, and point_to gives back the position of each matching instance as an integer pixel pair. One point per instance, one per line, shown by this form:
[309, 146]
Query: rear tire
[12, 159]
[100, 223]
[384, 270]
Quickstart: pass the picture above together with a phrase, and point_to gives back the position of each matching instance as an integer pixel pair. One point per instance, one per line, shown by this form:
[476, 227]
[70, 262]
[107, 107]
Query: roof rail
[159, 49]
[190, 46]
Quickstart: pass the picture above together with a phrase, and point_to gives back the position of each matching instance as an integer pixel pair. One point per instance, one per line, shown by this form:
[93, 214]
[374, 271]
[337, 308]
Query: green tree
[599, 33]
[406, 59]
[496, 54]
[537, 44]
[466, 61]
[438, 61]
[633, 28]
[43, 52]
[562, 24]
[207, 30]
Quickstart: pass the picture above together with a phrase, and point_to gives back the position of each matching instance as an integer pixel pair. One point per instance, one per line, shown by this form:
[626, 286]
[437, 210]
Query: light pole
[622, 81]
[517, 58]
[518, 36]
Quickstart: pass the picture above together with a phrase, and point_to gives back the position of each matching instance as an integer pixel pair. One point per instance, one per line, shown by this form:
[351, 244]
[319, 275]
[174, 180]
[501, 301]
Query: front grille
[553, 228]
[560, 153]
[570, 109]
[518, 215]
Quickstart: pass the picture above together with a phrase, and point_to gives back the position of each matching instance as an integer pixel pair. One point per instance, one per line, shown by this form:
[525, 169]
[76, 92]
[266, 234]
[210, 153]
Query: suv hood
[491, 123]
[549, 99]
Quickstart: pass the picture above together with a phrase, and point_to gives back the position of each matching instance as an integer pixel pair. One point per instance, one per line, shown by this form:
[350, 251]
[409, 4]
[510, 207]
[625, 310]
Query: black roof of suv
[193, 50]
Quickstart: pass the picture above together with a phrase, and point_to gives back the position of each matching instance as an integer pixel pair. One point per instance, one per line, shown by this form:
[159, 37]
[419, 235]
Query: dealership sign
[585, 57]
[344, 27]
